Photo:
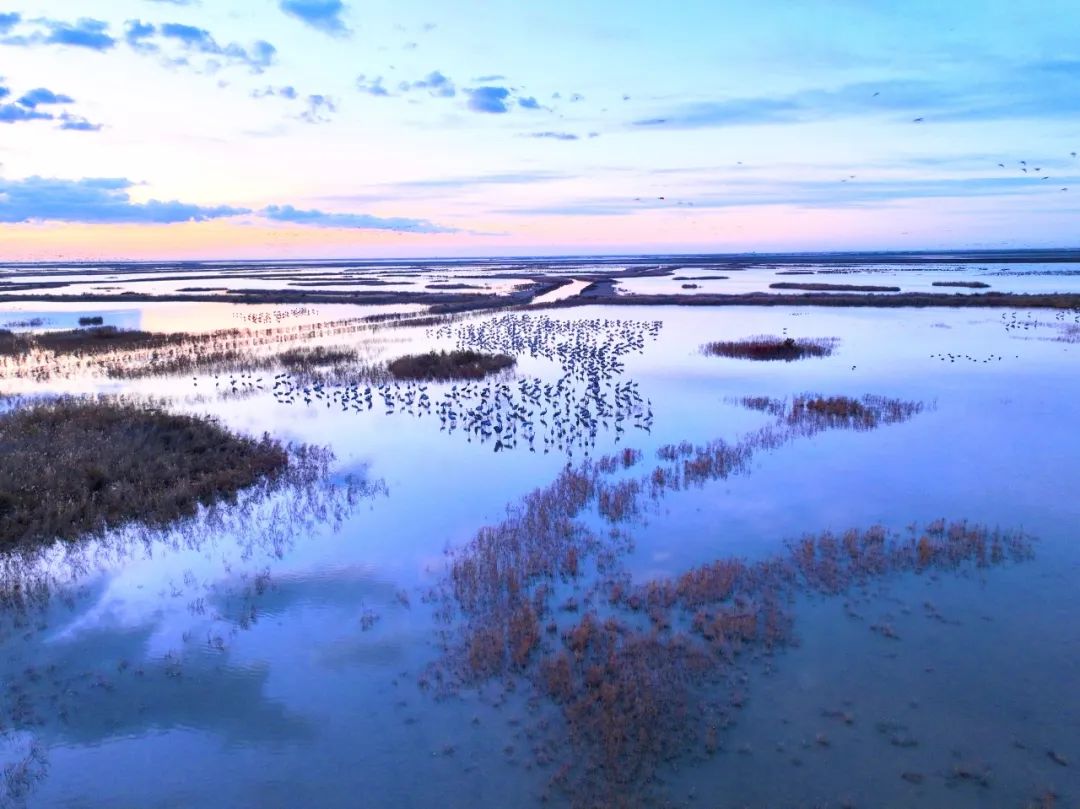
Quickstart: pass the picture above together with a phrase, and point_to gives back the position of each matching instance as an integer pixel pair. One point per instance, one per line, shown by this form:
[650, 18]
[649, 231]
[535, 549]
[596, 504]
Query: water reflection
[324, 637]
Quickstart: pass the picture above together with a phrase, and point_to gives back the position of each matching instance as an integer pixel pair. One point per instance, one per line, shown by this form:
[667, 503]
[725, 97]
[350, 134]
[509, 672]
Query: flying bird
[917, 121]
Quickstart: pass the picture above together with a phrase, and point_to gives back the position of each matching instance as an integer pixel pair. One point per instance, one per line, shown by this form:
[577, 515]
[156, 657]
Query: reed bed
[93, 340]
[127, 354]
[72, 467]
[767, 348]
[446, 365]
[823, 287]
[262, 520]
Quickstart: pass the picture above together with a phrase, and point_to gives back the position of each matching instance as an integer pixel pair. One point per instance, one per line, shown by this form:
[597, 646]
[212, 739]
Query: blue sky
[135, 128]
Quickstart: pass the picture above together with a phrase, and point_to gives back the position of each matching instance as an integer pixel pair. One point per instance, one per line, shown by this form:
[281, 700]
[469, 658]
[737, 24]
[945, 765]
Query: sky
[174, 129]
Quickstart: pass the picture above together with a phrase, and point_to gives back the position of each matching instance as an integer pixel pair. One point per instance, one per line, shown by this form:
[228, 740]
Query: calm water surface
[270, 673]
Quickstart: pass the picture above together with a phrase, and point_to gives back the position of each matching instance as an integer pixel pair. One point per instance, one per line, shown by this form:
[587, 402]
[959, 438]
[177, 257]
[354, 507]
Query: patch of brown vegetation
[821, 287]
[637, 684]
[771, 348]
[72, 467]
[443, 365]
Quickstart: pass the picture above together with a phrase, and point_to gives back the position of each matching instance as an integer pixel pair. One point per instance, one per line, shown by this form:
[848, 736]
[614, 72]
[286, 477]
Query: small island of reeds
[442, 365]
[765, 347]
[820, 287]
[89, 339]
[73, 467]
[964, 284]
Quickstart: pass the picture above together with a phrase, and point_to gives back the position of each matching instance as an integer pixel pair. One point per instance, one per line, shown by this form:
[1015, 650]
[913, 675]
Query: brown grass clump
[621, 460]
[92, 340]
[964, 284]
[628, 700]
[832, 563]
[619, 501]
[864, 413]
[70, 468]
[442, 365]
[820, 287]
[318, 357]
[809, 413]
[765, 347]
[96, 320]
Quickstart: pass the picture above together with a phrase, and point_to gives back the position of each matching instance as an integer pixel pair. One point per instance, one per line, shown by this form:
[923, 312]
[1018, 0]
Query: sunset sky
[310, 128]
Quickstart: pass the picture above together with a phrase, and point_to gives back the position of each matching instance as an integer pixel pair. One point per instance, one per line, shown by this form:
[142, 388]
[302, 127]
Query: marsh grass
[823, 287]
[765, 348]
[18, 778]
[127, 354]
[74, 467]
[444, 365]
[92, 340]
[962, 284]
[652, 671]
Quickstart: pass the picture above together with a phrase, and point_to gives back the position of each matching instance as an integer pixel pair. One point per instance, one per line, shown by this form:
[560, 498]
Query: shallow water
[1017, 278]
[297, 673]
[494, 277]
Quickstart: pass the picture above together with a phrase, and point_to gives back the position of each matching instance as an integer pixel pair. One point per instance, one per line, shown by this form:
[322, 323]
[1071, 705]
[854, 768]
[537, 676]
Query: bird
[917, 120]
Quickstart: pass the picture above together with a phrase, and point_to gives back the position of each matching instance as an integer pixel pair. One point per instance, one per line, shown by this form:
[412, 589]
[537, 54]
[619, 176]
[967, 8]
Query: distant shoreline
[1018, 256]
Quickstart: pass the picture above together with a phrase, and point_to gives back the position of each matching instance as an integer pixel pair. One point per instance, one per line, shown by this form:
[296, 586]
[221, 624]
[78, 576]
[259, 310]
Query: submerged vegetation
[442, 365]
[70, 468]
[771, 348]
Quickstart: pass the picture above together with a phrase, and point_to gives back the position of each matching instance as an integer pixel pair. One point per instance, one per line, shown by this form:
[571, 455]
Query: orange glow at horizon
[733, 229]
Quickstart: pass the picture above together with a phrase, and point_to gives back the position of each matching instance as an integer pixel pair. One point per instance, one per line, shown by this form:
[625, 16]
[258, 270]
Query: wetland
[558, 529]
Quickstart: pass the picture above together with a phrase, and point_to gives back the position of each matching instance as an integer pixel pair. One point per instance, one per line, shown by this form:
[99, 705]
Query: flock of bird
[277, 315]
[588, 349]
[950, 357]
[1016, 322]
[1034, 171]
[565, 415]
